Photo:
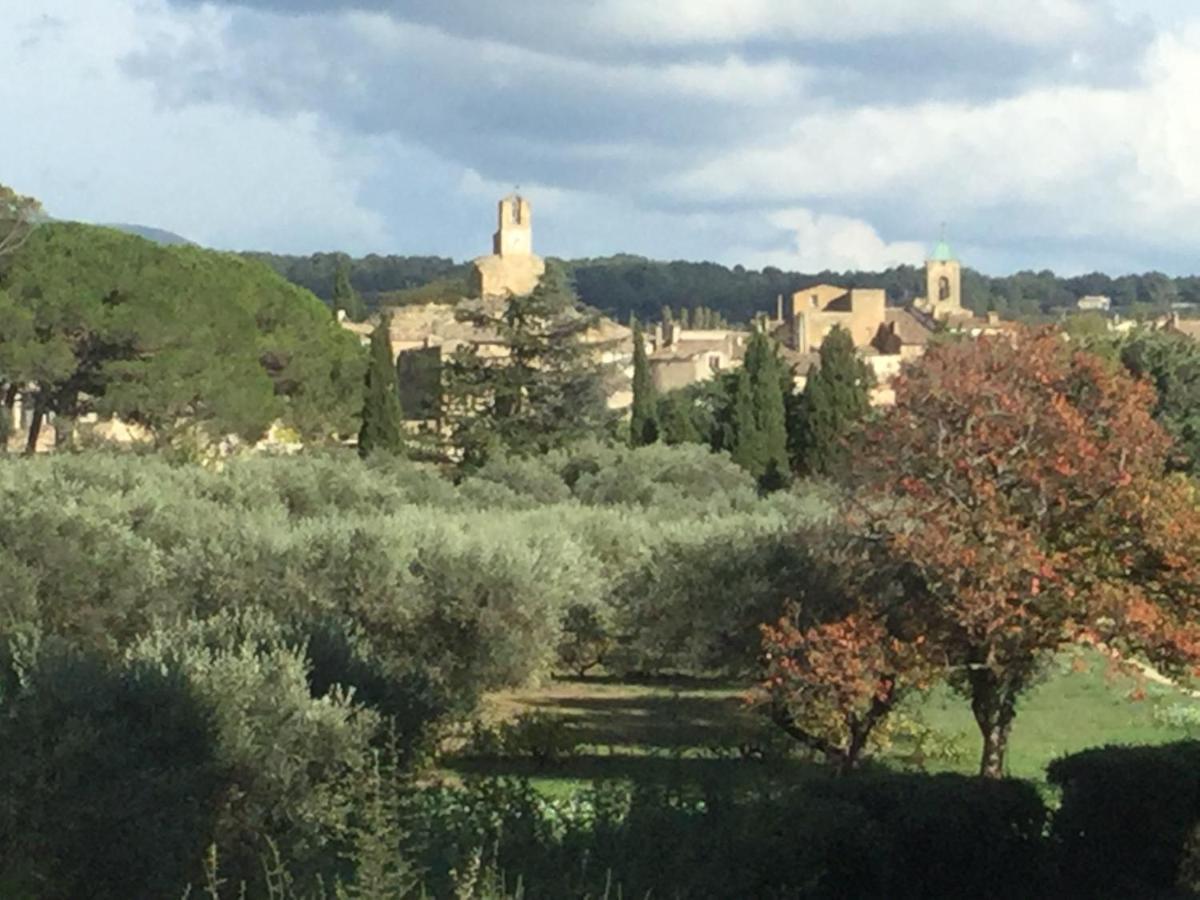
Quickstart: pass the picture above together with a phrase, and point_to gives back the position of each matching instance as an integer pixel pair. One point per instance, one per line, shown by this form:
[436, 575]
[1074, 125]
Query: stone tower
[943, 284]
[512, 269]
[514, 236]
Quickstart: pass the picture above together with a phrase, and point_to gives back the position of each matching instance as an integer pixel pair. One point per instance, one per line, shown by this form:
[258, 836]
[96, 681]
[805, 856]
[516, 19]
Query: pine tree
[836, 398]
[345, 298]
[382, 421]
[643, 422]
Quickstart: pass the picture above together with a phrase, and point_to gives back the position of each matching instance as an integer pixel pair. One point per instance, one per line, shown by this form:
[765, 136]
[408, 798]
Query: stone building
[422, 335]
[512, 269]
[682, 356]
[943, 286]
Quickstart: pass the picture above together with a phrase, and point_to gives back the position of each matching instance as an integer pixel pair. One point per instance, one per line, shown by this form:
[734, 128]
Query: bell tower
[514, 235]
[511, 269]
[943, 284]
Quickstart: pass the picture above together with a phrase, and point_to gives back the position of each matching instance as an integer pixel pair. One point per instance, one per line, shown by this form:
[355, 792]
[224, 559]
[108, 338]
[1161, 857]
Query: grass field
[693, 729]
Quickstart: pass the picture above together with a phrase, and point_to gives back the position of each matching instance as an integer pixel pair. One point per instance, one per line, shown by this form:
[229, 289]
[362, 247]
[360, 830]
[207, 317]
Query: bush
[1127, 817]
[293, 765]
[110, 779]
[868, 836]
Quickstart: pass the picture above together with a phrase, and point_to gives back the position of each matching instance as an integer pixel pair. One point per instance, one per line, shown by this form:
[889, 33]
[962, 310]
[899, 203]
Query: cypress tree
[344, 296]
[643, 422]
[382, 421]
[748, 448]
[770, 416]
[836, 398]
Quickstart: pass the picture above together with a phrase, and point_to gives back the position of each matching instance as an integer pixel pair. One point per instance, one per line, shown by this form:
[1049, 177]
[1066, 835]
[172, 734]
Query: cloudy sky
[806, 134]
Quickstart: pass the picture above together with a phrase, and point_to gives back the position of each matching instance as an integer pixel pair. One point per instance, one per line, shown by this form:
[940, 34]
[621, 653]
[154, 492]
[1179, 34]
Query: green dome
[942, 252]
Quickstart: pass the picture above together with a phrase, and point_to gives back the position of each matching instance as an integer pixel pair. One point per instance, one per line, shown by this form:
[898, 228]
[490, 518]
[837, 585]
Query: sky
[809, 135]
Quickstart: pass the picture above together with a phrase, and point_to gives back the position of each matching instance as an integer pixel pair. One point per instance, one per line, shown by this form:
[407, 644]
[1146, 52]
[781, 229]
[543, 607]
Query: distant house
[1094, 303]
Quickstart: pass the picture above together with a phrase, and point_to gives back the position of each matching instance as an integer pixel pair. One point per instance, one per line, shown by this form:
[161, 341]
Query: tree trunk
[35, 428]
[994, 708]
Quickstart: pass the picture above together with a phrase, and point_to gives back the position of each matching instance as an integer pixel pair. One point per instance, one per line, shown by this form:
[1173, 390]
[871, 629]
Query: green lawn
[695, 729]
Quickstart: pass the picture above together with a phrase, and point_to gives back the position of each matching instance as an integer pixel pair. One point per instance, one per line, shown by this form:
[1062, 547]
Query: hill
[625, 284]
[158, 235]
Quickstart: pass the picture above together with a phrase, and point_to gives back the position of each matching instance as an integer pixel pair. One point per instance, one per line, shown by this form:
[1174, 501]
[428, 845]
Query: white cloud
[97, 145]
[1032, 22]
[822, 241]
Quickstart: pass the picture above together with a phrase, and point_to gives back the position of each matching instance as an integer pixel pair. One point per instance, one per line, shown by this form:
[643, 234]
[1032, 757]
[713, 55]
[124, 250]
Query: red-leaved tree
[1017, 491]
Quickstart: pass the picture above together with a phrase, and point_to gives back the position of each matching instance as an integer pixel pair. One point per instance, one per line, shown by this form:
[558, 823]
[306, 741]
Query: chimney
[993, 317]
[779, 308]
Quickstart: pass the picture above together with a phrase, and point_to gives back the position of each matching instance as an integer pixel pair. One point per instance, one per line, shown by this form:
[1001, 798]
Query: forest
[625, 285]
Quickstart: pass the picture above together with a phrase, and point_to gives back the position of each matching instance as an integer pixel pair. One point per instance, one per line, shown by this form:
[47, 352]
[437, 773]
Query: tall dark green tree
[547, 390]
[745, 442]
[836, 398]
[643, 422]
[345, 298]
[770, 415]
[382, 420]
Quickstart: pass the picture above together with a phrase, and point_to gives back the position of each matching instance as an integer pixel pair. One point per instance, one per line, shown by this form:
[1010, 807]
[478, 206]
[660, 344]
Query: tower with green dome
[943, 284]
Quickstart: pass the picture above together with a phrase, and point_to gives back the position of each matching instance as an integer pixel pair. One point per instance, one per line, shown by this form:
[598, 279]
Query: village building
[423, 335]
[1094, 303]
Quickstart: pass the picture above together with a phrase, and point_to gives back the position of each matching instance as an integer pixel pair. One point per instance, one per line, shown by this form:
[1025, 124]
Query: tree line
[626, 285]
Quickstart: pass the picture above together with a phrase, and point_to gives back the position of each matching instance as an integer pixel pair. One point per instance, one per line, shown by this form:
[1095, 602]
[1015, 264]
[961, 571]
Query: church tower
[943, 284]
[514, 236]
[512, 270]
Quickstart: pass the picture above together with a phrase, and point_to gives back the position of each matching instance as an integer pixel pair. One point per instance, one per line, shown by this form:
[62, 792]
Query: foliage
[114, 324]
[1127, 818]
[382, 429]
[1171, 362]
[843, 656]
[18, 217]
[677, 419]
[109, 778]
[345, 298]
[292, 763]
[643, 421]
[836, 399]
[767, 379]
[894, 836]
[543, 737]
[586, 639]
[545, 391]
[1009, 487]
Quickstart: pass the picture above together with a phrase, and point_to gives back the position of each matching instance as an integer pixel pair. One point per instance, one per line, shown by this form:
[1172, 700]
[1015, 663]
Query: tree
[545, 390]
[765, 369]
[1008, 488]
[382, 429]
[1171, 362]
[643, 422]
[676, 419]
[18, 216]
[111, 323]
[836, 398]
[745, 440]
[345, 298]
[829, 686]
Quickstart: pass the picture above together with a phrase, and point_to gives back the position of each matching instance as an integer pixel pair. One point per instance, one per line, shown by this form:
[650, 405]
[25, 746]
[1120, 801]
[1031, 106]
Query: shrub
[110, 779]
[1127, 815]
[292, 765]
